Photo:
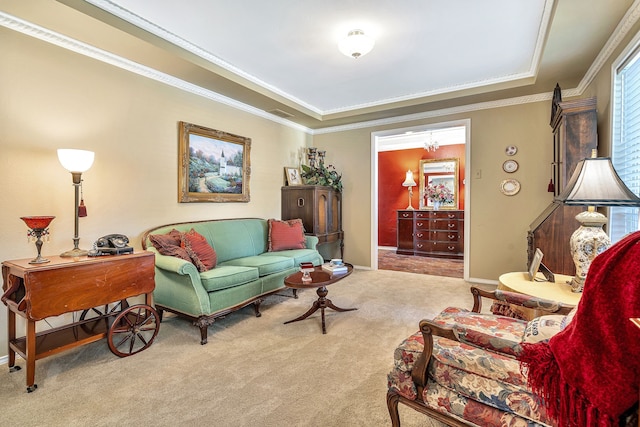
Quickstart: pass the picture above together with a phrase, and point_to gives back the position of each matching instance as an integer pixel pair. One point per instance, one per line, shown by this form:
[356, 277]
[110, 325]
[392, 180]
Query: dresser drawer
[422, 224]
[453, 248]
[405, 214]
[445, 224]
[444, 214]
[445, 236]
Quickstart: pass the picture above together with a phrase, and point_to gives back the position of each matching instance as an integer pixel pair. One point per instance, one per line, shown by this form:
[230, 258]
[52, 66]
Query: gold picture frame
[214, 166]
[293, 176]
[439, 171]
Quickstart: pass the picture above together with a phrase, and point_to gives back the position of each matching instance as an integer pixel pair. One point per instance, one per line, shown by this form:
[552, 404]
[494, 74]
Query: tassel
[551, 188]
[82, 209]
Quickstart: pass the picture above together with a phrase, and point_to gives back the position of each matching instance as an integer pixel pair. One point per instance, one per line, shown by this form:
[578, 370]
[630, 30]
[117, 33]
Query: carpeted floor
[390, 260]
[253, 372]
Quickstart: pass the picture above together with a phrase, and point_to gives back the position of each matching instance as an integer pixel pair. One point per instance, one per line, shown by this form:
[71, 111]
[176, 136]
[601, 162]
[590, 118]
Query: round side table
[560, 290]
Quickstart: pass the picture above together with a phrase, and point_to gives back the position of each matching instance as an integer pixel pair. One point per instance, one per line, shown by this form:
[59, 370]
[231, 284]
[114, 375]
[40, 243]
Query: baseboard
[4, 360]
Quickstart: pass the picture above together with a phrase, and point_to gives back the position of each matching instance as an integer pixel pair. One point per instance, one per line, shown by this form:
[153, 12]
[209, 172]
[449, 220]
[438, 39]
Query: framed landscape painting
[213, 165]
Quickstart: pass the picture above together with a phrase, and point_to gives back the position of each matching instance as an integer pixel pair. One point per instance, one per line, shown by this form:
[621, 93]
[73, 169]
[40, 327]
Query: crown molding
[165, 34]
[14, 23]
[49, 36]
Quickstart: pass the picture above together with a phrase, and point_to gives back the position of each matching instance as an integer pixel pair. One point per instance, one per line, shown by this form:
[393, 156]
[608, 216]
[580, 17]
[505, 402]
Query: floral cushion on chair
[467, 410]
[495, 333]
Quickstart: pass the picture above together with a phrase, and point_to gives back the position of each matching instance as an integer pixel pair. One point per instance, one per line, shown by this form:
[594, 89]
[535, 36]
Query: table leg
[31, 356]
[11, 322]
[321, 303]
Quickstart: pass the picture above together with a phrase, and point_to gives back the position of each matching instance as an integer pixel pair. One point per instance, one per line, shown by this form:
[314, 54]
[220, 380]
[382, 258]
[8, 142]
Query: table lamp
[76, 162]
[409, 182]
[593, 183]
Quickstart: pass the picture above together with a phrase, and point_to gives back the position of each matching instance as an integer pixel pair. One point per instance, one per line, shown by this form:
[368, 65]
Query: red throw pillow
[169, 244]
[200, 251]
[286, 235]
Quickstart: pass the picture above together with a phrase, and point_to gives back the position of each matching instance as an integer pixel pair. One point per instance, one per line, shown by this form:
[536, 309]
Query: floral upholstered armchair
[467, 373]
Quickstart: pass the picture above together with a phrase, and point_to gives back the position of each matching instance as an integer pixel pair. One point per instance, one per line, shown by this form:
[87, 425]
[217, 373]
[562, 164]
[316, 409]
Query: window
[625, 147]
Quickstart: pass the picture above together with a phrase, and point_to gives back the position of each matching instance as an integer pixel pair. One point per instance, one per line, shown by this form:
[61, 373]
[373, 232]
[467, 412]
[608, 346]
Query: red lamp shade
[37, 222]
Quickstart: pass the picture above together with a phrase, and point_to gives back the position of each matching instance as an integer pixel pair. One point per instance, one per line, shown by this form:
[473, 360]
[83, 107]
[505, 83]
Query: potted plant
[322, 175]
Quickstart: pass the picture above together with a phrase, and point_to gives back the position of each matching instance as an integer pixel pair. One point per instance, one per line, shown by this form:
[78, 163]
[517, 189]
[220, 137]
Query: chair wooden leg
[392, 405]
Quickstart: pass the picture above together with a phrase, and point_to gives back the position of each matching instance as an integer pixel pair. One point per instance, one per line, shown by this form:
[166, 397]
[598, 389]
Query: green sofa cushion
[227, 276]
[265, 264]
[298, 255]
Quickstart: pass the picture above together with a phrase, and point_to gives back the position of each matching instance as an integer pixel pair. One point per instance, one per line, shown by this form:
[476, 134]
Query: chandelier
[431, 145]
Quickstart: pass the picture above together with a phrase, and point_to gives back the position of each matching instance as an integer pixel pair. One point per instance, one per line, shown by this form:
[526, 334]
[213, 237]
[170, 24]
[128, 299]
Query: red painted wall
[392, 169]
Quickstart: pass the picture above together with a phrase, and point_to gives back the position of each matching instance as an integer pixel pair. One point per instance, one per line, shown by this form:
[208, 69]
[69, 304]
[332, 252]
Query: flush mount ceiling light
[356, 44]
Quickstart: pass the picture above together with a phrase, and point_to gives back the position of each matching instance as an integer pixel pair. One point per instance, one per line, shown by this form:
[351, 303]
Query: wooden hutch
[319, 207]
[574, 125]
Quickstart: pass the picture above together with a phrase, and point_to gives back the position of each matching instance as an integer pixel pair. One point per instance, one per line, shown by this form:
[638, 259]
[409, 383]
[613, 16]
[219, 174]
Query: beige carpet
[253, 372]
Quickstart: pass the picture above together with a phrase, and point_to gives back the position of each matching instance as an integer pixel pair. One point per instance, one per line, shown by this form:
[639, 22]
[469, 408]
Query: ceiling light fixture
[431, 145]
[356, 44]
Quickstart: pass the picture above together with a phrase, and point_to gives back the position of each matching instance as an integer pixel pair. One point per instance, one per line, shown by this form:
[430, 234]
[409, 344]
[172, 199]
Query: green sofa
[245, 273]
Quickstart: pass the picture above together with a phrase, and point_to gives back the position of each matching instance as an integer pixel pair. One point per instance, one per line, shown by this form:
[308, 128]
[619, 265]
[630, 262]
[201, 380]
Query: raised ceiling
[281, 56]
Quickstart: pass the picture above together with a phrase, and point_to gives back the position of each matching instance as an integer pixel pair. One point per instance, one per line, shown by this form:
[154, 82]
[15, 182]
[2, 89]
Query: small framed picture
[293, 176]
[535, 264]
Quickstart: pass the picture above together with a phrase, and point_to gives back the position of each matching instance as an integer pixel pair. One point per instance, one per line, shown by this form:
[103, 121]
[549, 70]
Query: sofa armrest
[311, 241]
[176, 265]
[519, 300]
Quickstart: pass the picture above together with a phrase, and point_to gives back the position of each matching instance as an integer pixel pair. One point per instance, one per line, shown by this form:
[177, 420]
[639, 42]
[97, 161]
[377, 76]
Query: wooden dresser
[429, 233]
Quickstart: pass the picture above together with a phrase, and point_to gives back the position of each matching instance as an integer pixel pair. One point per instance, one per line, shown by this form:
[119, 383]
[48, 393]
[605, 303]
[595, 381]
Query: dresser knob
[451, 236]
[451, 216]
[451, 248]
[419, 224]
[419, 234]
[405, 215]
[451, 225]
[419, 245]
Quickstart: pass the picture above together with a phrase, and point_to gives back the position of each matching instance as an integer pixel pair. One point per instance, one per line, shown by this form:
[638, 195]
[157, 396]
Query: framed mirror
[439, 180]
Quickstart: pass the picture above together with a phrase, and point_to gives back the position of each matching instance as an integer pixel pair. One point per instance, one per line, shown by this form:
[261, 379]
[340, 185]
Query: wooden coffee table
[320, 279]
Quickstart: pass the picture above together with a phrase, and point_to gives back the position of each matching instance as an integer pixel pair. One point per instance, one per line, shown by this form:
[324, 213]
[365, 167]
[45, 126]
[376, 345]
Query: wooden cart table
[87, 284]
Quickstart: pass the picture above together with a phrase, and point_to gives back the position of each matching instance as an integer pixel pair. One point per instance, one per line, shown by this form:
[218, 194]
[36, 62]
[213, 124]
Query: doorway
[395, 153]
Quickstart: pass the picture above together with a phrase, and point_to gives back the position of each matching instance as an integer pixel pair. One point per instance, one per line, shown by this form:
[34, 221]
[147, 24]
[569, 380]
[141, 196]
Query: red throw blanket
[588, 374]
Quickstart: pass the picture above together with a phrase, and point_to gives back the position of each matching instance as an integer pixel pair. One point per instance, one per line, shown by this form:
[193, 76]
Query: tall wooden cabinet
[320, 209]
[574, 125]
[438, 234]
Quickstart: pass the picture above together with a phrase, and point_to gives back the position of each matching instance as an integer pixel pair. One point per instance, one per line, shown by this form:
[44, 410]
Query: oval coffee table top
[319, 278]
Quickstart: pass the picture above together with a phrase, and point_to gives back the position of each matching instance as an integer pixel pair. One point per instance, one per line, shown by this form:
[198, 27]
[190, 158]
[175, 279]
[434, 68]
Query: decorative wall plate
[510, 166]
[509, 187]
[511, 150]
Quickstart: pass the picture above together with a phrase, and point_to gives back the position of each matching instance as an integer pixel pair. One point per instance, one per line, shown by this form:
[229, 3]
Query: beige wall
[53, 98]
[499, 223]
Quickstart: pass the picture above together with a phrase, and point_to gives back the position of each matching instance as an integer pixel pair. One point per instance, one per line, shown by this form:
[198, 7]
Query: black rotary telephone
[111, 244]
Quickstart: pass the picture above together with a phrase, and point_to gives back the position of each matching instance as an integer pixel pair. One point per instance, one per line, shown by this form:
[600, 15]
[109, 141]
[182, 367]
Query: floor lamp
[409, 182]
[593, 183]
[76, 162]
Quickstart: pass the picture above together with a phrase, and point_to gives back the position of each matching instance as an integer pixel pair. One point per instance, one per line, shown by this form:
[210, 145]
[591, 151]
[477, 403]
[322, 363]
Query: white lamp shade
[75, 160]
[409, 182]
[596, 183]
[356, 44]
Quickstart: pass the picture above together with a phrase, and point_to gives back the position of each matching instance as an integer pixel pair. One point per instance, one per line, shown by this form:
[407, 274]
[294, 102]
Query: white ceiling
[290, 46]
[281, 56]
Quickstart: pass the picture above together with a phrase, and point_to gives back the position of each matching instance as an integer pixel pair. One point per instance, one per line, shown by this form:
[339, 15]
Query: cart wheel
[133, 330]
[102, 311]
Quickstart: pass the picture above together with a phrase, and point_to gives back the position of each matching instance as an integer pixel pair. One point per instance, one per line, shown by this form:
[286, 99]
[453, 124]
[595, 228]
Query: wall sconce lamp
[593, 183]
[409, 182]
[76, 162]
